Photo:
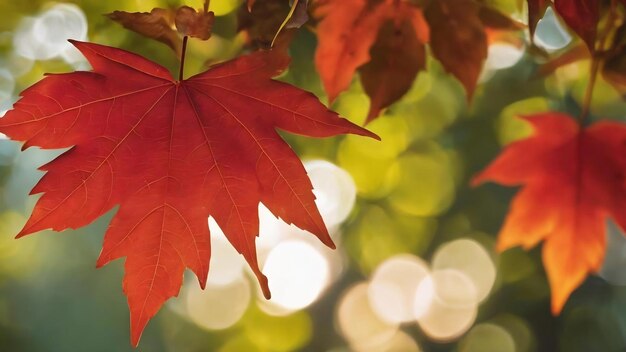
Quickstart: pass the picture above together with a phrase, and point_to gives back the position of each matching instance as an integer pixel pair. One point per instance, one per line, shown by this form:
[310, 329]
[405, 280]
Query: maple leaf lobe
[170, 154]
[571, 182]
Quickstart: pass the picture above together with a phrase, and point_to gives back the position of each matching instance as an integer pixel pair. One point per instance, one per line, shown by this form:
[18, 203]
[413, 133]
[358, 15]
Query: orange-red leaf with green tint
[572, 180]
[351, 34]
[346, 32]
[170, 153]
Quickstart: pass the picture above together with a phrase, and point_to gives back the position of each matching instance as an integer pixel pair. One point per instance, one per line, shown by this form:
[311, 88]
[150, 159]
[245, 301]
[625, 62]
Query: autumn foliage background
[397, 209]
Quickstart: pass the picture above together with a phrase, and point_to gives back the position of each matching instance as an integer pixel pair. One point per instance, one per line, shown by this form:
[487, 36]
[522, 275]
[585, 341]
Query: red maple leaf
[170, 153]
[572, 180]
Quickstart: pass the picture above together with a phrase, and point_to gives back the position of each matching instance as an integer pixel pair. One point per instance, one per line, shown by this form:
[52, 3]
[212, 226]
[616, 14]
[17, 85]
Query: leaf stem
[595, 67]
[596, 61]
[182, 59]
[285, 21]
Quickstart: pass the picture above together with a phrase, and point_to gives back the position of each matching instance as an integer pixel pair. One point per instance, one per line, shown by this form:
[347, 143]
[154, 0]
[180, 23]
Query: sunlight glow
[226, 264]
[217, 307]
[357, 321]
[7, 85]
[393, 287]
[424, 295]
[297, 274]
[470, 258]
[45, 36]
[334, 189]
[503, 55]
[400, 342]
[550, 33]
[452, 311]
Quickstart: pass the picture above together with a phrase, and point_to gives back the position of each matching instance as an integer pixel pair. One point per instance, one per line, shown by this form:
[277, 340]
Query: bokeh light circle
[454, 289]
[452, 310]
[7, 84]
[45, 36]
[357, 321]
[487, 338]
[297, 274]
[218, 306]
[334, 190]
[226, 264]
[470, 258]
[503, 55]
[400, 342]
[393, 287]
[550, 33]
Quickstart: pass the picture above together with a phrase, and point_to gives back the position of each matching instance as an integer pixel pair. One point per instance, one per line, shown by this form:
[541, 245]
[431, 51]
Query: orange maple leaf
[573, 180]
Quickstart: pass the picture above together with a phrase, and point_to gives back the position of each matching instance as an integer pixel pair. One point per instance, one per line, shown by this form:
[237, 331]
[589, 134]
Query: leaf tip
[101, 262]
[202, 279]
[23, 232]
[372, 115]
[75, 42]
[134, 339]
[501, 245]
[332, 97]
[477, 180]
[367, 133]
[264, 286]
[556, 306]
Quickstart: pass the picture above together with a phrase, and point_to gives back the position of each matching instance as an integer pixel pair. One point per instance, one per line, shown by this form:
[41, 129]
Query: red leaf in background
[157, 24]
[165, 25]
[197, 24]
[170, 154]
[385, 41]
[571, 180]
[458, 39]
[614, 67]
[271, 22]
[582, 16]
[349, 29]
[396, 58]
